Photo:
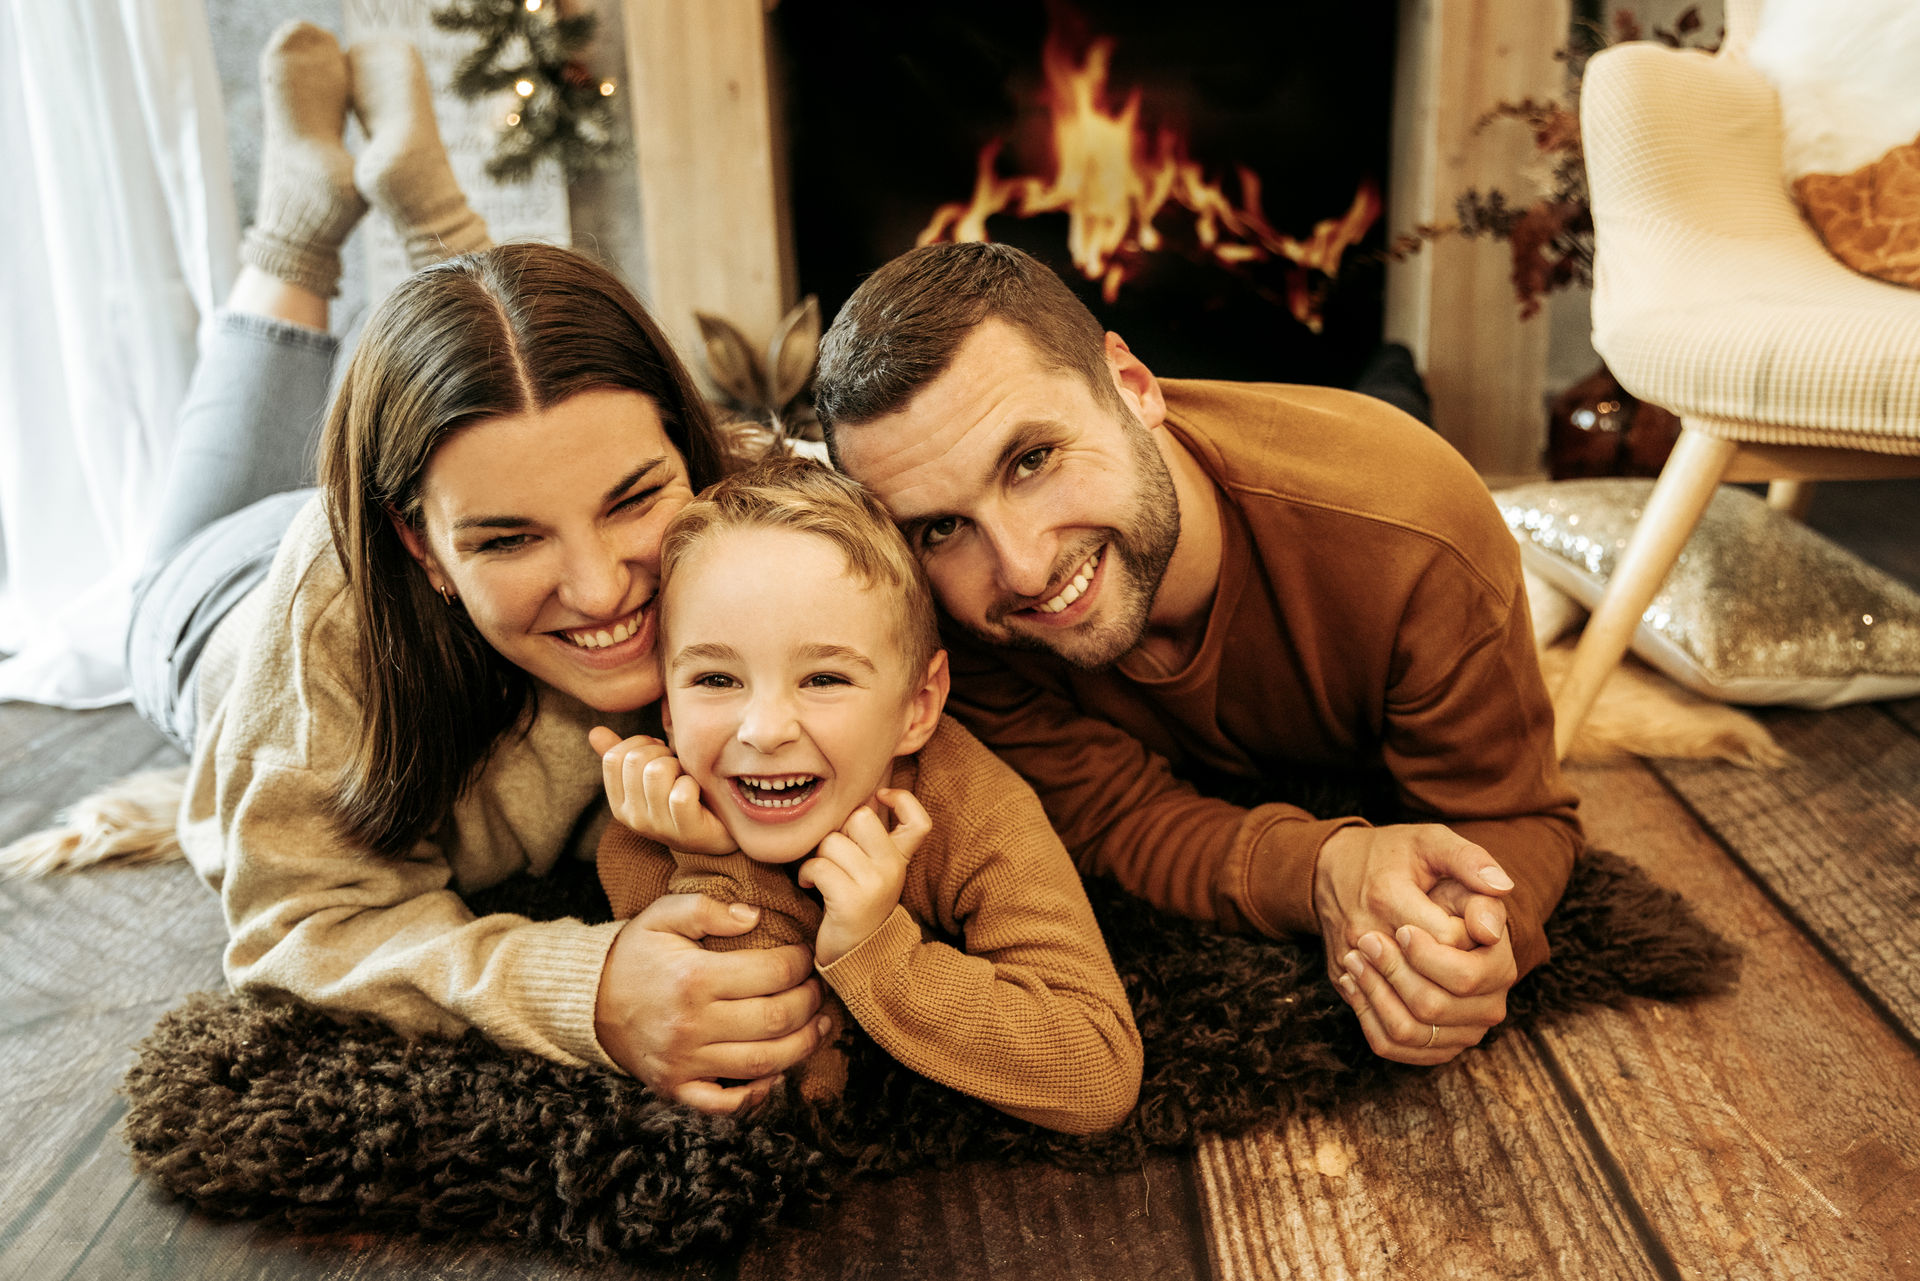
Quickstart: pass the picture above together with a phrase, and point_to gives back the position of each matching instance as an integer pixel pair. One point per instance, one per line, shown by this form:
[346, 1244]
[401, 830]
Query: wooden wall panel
[714, 214]
[1453, 302]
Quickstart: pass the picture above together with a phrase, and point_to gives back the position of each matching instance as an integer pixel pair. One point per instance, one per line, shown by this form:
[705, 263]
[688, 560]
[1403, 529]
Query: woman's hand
[650, 794]
[684, 1020]
[860, 869]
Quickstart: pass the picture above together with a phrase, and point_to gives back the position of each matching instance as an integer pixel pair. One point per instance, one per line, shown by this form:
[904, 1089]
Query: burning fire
[1113, 181]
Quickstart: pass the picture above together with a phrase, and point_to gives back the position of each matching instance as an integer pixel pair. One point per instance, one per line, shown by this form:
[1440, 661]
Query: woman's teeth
[1073, 590]
[768, 791]
[605, 636]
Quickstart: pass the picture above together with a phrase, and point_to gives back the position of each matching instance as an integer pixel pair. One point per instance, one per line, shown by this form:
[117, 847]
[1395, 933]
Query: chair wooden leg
[1681, 495]
[1791, 497]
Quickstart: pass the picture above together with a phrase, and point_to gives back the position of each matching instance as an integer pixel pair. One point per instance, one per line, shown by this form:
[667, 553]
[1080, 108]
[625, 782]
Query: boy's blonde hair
[786, 492]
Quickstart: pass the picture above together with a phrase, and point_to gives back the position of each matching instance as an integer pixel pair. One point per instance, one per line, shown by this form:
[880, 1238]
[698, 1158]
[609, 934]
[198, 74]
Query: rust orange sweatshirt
[1369, 611]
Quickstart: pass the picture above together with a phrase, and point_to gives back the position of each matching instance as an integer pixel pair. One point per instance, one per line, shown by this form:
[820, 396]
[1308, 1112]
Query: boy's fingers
[823, 873]
[658, 772]
[683, 804]
[613, 776]
[602, 740]
[912, 822]
[864, 830]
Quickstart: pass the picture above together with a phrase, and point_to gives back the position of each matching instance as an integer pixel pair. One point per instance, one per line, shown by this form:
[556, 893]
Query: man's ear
[1138, 387]
[416, 545]
[924, 705]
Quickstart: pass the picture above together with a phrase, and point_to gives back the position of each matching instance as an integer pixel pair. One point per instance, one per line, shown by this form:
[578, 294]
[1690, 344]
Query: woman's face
[546, 528]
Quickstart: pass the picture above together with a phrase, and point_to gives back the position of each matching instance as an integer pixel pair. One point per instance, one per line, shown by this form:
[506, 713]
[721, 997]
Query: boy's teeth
[1072, 591]
[766, 791]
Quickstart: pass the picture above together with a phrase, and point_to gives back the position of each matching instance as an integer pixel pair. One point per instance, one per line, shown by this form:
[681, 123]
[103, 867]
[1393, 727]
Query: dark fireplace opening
[888, 107]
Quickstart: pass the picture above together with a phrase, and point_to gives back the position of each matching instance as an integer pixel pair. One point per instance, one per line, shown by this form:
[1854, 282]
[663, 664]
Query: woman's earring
[446, 594]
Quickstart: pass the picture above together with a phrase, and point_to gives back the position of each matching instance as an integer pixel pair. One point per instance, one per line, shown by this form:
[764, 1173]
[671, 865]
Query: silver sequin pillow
[1759, 608]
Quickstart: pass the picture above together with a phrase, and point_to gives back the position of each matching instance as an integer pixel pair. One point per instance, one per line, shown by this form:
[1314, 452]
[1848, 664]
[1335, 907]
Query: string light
[559, 110]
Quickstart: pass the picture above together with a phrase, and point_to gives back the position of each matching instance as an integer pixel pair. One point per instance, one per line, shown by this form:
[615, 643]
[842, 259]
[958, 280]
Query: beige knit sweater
[311, 912]
[990, 975]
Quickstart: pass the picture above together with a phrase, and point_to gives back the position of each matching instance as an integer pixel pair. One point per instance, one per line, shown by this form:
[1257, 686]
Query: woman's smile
[613, 645]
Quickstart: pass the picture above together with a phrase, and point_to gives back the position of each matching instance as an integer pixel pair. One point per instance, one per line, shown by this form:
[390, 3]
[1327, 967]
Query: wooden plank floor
[1771, 1133]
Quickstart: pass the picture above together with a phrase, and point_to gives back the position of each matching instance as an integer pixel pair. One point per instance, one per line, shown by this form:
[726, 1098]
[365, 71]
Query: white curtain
[119, 236]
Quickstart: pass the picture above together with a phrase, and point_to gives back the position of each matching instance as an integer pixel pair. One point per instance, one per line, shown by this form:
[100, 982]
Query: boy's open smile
[776, 798]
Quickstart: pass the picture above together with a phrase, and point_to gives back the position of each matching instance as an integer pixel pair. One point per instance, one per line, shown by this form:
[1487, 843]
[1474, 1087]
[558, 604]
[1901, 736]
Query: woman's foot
[403, 169]
[308, 202]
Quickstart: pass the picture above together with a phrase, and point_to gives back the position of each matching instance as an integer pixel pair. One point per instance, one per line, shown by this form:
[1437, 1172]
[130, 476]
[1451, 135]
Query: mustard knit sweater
[990, 976]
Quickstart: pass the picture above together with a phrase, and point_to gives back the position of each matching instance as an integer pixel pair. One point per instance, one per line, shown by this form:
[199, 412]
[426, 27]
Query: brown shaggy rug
[274, 1110]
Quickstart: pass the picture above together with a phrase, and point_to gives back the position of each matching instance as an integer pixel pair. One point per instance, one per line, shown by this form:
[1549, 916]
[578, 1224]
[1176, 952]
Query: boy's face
[788, 696]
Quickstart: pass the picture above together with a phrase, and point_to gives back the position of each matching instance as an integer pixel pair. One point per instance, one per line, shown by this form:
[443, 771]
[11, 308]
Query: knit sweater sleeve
[313, 912]
[1121, 811]
[1028, 1015]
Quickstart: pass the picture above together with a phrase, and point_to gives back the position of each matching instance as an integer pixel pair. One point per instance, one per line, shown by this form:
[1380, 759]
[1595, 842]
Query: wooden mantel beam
[714, 213]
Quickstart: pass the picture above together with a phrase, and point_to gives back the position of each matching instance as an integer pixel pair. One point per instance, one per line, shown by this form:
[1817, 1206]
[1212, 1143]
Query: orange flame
[1112, 185]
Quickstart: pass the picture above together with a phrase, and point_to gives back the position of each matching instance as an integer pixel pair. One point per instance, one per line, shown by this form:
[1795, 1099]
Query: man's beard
[1142, 548]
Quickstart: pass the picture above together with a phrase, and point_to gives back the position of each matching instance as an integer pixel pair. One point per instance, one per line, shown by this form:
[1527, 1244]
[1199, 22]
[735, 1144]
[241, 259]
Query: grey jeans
[242, 468]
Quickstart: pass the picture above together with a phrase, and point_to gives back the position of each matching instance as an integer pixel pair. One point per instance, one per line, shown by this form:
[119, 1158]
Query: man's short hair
[785, 492]
[904, 323]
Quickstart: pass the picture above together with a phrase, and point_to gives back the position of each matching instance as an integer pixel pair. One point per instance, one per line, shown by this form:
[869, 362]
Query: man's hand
[649, 793]
[860, 869]
[1416, 939]
[683, 1019]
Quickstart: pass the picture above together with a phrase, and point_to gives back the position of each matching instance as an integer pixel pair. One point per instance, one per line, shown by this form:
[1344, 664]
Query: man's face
[1044, 516]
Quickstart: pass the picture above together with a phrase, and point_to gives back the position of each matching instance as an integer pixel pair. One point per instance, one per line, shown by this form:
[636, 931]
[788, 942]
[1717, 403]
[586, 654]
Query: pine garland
[530, 47]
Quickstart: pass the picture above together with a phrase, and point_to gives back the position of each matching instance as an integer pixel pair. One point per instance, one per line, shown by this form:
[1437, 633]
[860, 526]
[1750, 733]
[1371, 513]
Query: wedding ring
[1433, 1030]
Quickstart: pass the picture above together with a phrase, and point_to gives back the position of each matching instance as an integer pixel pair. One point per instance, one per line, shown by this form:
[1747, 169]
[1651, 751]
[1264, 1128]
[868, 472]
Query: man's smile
[1072, 601]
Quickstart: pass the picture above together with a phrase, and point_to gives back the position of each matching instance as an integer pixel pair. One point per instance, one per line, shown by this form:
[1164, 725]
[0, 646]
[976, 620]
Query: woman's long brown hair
[504, 331]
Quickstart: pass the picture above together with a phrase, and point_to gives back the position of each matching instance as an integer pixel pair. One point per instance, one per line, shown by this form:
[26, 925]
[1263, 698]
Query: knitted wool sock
[403, 169]
[308, 202]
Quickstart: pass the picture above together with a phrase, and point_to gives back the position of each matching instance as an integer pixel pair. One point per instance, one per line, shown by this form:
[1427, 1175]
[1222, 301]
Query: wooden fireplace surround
[718, 237]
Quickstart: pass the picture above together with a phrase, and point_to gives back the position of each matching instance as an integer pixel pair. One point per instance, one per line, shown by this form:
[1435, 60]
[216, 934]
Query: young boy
[804, 688]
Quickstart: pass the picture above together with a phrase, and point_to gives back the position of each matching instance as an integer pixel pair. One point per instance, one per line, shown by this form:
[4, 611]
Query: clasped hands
[1415, 929]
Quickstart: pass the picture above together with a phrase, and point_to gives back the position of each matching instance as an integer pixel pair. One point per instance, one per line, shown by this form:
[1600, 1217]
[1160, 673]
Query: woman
[386, 687]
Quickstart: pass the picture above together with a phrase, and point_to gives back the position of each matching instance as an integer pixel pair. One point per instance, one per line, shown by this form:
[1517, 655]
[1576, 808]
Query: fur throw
[1846, 74]
[273, 1109]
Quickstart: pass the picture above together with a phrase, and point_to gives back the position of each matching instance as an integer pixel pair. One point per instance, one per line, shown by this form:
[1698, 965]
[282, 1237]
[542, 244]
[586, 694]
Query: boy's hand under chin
[650, 794]
[860, 869]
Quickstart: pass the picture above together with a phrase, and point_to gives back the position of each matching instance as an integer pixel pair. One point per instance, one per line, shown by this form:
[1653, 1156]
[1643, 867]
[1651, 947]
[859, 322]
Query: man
[1220, 578]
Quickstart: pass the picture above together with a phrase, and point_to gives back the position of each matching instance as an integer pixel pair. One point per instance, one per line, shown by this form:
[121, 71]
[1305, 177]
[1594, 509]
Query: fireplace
[1175, 162]
[790, 146]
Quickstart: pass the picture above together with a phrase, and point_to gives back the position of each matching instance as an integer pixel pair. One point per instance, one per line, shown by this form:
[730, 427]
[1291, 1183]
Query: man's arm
[1469, 733]
[1121, 812]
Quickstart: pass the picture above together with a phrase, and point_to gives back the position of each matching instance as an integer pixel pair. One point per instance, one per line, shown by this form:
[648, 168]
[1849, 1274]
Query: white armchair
[1714, 298]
